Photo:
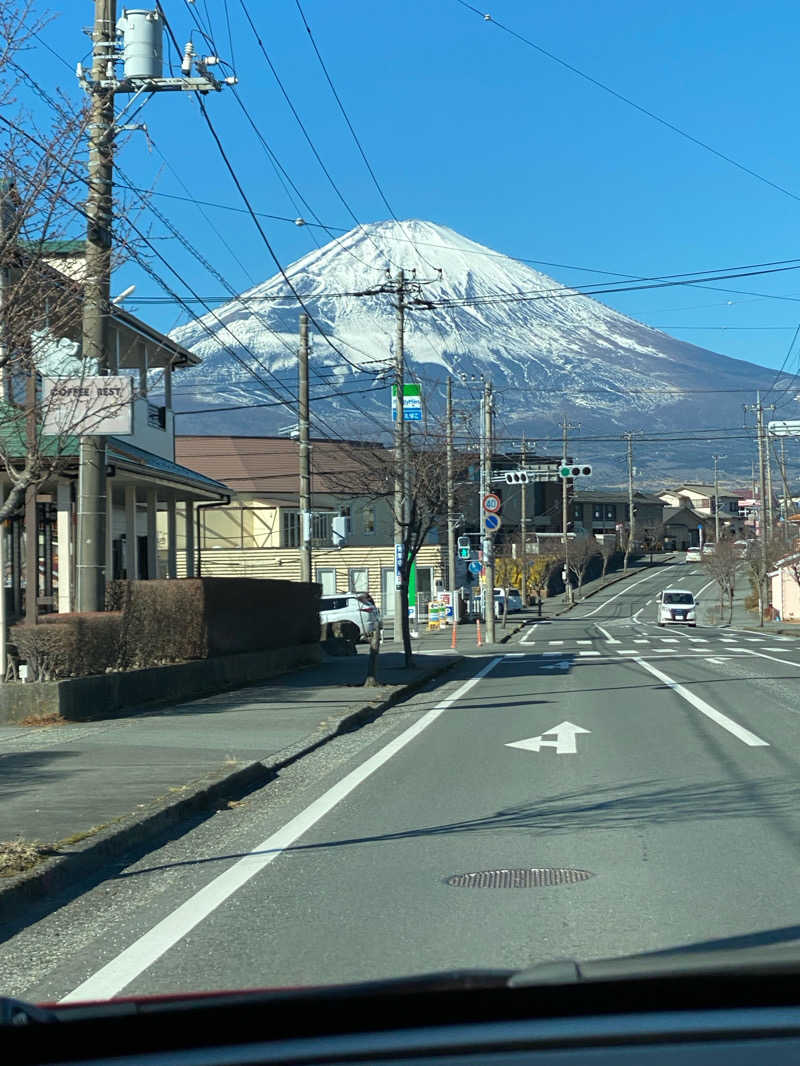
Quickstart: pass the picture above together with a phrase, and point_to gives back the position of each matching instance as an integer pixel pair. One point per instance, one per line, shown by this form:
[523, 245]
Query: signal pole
[91, 546]
[523, 527]
[631, 513]
[565, 428]
[451, 504]
[306, 573]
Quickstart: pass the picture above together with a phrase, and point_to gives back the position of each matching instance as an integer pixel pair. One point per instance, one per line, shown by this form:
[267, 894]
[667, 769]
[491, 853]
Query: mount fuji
[547, 350]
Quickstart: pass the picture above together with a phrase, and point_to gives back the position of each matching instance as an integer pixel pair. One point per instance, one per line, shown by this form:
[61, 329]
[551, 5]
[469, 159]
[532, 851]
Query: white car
[356, 607]
[693, 555]
[676, 607]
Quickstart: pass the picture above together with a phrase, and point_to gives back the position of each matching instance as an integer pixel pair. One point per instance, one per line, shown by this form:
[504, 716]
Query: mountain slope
[553, 352]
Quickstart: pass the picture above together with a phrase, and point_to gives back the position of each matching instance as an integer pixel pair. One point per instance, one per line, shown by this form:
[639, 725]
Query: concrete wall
[106, 695]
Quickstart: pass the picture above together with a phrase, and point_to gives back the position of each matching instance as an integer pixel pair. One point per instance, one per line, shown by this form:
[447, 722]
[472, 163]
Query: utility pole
[631, 512]
[399, 458]
[488, 538]
[770, 497]
[523, 527]
[787, 496]
[306, 573]
[762, 489]
[31, 524]
[565, 428]
[451, 504]
[716, 459]
[91, 546]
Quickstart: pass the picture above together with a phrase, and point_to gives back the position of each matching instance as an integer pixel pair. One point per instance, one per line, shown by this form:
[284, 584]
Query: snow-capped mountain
[547, 350]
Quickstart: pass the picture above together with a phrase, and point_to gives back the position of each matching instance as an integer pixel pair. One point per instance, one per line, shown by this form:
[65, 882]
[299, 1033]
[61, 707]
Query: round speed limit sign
[492, 503]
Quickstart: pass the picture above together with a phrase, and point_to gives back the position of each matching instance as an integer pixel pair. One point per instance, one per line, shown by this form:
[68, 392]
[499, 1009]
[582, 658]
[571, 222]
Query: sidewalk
[90, 790]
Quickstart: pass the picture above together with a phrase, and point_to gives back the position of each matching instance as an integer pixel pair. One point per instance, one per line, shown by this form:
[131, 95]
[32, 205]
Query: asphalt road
[673, 787]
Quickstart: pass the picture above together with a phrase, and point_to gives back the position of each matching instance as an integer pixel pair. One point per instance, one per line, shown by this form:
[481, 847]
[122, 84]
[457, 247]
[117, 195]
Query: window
[321, 529]
[326, 576]
[358, 579]
[290, 529]
[368, 520]
[611, 512]
[597, 515]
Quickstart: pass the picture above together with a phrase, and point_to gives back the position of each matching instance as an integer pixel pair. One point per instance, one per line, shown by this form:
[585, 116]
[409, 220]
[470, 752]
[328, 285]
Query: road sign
[784, 429]
[492, 522]
[475, 567]
[398, 565]
[412, 402]
[492, 502]
[575, 470]
[565, 734]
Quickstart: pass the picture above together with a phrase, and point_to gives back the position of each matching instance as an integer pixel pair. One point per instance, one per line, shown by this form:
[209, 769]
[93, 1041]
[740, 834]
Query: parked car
[708, 549]
[356, 607]
[693, 555]
[676, 607]
[514, 601]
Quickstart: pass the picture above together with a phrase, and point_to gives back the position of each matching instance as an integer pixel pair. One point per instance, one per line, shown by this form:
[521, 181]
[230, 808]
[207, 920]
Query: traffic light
[463, 547]
[575, 471]
[516, 477]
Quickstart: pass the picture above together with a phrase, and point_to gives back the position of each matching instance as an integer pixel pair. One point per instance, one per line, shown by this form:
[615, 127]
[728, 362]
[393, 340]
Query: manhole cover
[535, 877]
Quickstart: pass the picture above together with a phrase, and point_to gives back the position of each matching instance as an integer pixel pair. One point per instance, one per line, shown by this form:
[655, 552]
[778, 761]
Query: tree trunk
[371, 680]
[405, 627]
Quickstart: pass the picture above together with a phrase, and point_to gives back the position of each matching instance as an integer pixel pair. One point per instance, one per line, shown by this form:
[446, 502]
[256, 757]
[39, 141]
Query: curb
[52, 876]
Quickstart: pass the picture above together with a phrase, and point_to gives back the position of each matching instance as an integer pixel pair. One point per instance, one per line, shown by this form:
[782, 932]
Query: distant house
[599, 511]
[683, 525]
[702, 500]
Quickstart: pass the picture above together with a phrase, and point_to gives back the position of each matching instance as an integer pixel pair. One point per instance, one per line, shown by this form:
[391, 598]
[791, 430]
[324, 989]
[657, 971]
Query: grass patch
[17, 856]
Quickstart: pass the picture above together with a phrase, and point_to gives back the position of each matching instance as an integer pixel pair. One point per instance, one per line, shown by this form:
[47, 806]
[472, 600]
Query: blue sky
[467, 126]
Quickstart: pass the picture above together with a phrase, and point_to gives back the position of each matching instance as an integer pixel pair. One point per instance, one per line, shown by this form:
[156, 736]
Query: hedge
[69, 645]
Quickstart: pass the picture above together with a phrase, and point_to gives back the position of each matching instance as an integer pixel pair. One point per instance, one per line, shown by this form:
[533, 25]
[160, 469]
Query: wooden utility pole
[716, 459]
[306, 573]
[91, 546]
[31, 524]
[565, 428]
[762, 488]
[400, 503]
[488, 538]
[451, 504]
[523, 528]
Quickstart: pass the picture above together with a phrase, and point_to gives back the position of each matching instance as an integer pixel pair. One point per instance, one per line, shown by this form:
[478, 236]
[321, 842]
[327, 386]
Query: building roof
[671, 512]
[613, 496]
[137, 460]
[271, 464]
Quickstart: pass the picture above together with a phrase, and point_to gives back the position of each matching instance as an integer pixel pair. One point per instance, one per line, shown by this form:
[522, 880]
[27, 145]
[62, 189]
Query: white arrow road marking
[737, 730]
[563, 665]
[607, 635]
[565, 733]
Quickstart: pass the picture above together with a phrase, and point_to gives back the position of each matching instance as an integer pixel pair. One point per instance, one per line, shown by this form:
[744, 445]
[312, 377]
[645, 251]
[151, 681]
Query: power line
[631, 103]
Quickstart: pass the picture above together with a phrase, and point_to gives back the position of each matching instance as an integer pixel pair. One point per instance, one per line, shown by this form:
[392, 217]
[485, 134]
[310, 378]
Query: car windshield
[399, 488]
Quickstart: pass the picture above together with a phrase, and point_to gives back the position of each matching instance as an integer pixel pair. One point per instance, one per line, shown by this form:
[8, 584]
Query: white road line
[607, 635]
[555, 642]
[772, 658]
[727, 640]
[620, 593]
[698, 640]
[648, 603]
[514, 655]
[126, 967]
[669, 640]
[703, 589]
[641, 641]
[636, 616]
[558, 653]
[721, 719]
[588, 653]
[583, 642]
[528, 633]
[627, 651]
[754, 640]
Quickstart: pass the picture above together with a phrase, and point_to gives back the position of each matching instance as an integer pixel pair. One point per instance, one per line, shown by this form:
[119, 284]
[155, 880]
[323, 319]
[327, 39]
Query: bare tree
[722, 564]
[607, 549]
[581, 552]
[759, 563]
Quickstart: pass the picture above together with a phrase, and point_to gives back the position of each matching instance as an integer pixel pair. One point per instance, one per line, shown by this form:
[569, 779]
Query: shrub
[69, 645]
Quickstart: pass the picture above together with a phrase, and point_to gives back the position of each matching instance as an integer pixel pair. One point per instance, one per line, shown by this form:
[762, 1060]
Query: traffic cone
[453, 635]
[478, 624]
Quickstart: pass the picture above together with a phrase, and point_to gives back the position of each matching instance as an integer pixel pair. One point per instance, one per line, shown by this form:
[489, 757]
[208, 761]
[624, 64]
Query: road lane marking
[620, 593]
[627, 651]
[528, 633]
[754, 640]
[558, 653]
[727, 640]
[565, 744]
[717, 659]
[641, 641]
[721, 719]
[514, 654]
[148, 949]
[555, 642]
[698, 640]
[669, 640]
[607, 635]
[583, 642]
[772, 658]
[588, 653]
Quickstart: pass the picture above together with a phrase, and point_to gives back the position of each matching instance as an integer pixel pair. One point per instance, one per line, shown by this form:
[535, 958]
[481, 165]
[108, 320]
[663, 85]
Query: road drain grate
[534, 877]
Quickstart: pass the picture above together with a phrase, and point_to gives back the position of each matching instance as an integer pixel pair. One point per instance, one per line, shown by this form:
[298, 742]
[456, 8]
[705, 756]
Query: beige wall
[786, 595]
[284, 563]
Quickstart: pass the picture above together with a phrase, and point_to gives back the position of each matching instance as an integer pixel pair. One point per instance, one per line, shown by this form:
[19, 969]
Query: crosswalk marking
[668, 640]
[641, 642]
[555, 642]
[699, 640]
[588, 653]
[583, 642]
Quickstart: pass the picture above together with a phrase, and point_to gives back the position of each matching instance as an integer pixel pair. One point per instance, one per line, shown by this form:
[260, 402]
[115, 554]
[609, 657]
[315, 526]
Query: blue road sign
[492, 522]
[475, 567]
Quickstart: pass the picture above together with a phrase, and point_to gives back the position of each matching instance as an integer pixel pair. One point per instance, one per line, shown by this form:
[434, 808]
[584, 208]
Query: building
[257, 533]
[685, 528]
[144, 483]
[784, 584]
[604, 511]
[702, 500]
